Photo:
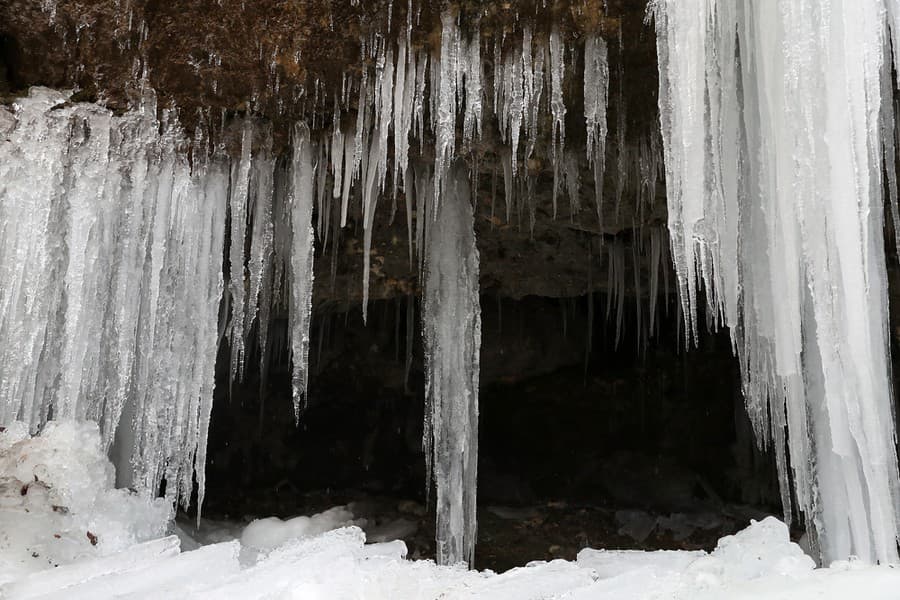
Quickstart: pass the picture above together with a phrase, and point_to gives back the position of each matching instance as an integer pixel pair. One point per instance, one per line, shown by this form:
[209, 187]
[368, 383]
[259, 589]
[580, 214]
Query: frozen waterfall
[771, 120]
[130, 251]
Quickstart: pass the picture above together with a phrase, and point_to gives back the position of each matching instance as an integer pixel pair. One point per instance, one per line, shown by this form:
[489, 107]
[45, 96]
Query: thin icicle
[474, 92]
[596, 93]
[558, 109]
[301, 262]
[237, 202]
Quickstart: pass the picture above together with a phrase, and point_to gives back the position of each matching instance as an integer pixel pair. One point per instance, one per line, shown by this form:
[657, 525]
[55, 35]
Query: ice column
[451, 324]
[770, 115]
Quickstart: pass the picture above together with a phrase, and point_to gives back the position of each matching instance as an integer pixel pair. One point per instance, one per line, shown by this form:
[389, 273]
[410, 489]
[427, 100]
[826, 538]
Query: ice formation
[132, 252]
[324, 556]
[111, 257]
[112, 246]
[451, 323]
[58, 504]
[771, 117]
[302, 250]
[46, 551]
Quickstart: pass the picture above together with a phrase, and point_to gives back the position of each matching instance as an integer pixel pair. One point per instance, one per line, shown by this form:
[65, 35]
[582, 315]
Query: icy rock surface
[58, 503]
[772, 117]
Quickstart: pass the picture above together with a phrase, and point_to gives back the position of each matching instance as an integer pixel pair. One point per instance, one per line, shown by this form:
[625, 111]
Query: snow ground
[58, 486]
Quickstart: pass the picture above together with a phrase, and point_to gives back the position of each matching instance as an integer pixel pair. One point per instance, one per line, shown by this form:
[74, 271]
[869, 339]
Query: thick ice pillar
[451, 323]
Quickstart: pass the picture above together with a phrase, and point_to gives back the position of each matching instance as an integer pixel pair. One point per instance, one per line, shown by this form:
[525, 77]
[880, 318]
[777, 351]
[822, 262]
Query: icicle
[527, 83]
[446, 94]
[557, 108]
[375, 169]
[347, 179]
[301, 261]
[419, 98]
[536, 77]
[472, 118]
[262, 237]
[237, 203]
[451, 323]
[401, 131]
[596, 91]
[337, 153]
[511, 105]
[621, 109]
[557, 105]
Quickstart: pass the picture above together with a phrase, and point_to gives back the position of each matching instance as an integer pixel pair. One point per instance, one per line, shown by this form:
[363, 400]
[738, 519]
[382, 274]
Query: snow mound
[272, 532]
[58, 502]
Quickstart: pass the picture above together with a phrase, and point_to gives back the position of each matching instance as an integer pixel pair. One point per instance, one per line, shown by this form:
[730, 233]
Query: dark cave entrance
[583, 440]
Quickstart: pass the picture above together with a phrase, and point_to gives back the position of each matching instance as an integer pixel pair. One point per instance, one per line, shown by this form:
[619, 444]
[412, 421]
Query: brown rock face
[285, 60]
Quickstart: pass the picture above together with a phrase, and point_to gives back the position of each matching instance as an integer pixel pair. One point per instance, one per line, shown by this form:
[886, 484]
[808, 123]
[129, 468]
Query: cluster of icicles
[113, 233]
[778, 124]
[119, 288]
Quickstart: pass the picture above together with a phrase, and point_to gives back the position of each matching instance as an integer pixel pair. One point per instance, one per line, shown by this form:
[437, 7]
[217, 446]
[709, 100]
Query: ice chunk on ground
[58, 503]
[272, 532]
[612, 563]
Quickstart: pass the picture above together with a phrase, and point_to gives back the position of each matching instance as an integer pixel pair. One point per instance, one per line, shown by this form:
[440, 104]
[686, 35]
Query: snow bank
[58, 503]
[68, 492]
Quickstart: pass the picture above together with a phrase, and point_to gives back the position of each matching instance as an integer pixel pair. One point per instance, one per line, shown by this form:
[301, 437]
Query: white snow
[58, 503]
[326, 556]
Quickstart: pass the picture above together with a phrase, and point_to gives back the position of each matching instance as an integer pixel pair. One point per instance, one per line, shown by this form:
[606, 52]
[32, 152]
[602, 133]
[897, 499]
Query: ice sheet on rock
[789, 250]
[451, 325]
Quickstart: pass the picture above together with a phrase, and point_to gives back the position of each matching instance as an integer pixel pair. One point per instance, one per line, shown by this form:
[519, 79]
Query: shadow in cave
[584, 441]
